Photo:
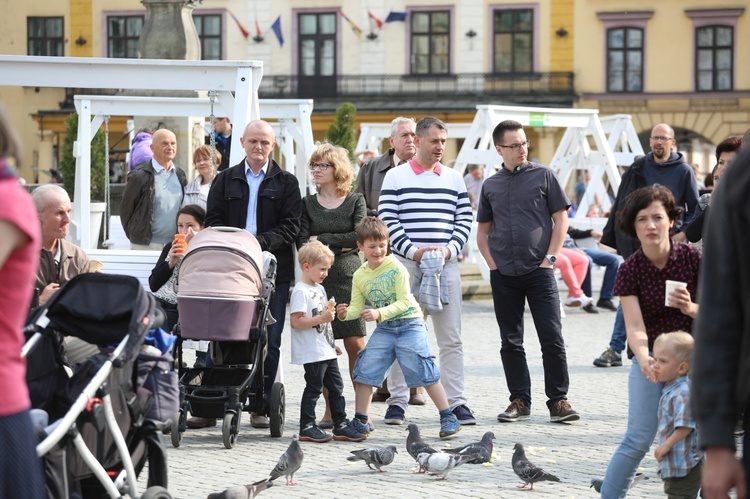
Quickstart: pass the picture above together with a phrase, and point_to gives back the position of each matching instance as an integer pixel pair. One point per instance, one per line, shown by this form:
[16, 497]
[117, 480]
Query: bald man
[153, 195]
[260, 197]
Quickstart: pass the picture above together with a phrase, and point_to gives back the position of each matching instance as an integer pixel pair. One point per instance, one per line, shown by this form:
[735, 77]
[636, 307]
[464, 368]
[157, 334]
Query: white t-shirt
[314, 344]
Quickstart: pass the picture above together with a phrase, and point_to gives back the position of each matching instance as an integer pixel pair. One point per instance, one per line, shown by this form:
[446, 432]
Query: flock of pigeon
[430, 460]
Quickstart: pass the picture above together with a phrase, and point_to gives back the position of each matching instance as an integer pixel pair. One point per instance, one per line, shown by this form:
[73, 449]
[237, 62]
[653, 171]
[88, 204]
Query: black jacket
[277, 215]
[612, 236]
[137, 207]
[720, 371]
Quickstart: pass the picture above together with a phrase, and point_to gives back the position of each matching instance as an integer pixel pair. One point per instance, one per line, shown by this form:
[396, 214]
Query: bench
[128, 262]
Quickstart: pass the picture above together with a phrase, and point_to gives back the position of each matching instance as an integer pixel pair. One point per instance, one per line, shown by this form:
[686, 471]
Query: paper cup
[95, 265]
[179, 244]
[670, 286]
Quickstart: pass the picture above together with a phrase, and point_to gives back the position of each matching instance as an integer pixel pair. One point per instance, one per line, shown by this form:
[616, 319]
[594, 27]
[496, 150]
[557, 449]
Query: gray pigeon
[440, 463]
[243, 491]
[482, 450]
[526, 470]
[289, 462]
[375, 456]
[596, 483]
[415, 445]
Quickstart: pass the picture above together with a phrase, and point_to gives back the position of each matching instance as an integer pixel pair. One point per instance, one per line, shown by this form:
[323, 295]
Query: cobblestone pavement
[574, 452]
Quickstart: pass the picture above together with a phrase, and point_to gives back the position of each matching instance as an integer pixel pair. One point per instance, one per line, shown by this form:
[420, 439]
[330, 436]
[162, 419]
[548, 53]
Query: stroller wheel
[156, 493]
[175, 432]
[276, 410]
[230, 428]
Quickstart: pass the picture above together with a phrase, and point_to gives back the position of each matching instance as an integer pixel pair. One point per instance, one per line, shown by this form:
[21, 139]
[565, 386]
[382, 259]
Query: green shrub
[341, 131]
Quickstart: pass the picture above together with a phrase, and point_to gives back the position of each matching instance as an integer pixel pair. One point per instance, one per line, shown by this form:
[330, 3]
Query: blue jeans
[619, 335]
[610, 262]
[509, 294]
[402, 339]
[643, 408]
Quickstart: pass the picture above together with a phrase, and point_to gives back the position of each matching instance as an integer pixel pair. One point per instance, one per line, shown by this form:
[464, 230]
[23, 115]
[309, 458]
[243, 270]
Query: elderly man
[257, 195]
[426, 207]
[59, 260]
[372, 173]
[153, 195]
[661, 166]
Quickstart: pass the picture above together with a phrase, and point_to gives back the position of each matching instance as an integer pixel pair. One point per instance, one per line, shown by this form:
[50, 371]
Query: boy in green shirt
[400, 333]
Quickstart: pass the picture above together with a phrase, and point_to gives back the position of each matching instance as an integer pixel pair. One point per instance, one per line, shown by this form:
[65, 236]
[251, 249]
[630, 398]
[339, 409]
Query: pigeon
[482, 450]
[243, 491]
[415, 445]
[289, 462]
[526, 470]
[375, 456]
[440, 463]
[596, 483]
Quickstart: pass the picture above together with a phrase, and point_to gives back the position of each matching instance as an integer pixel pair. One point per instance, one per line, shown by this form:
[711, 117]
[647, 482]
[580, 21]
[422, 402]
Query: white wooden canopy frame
[588, 144]
[225, 77]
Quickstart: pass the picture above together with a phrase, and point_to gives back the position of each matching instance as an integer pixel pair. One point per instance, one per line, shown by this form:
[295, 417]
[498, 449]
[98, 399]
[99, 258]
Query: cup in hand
[671, 286]
[179, 245]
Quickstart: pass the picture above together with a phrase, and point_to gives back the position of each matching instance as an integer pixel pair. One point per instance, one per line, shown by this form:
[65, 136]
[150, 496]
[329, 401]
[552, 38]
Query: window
[513, 41]
[317, 44]
[714, 56]
[45, 36]
[209, 33]
[430, 42]
[625, 60]
[122, 36]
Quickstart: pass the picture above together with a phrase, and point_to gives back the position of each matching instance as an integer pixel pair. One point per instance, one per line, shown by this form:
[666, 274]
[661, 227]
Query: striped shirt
[425, 208]
[674, 412]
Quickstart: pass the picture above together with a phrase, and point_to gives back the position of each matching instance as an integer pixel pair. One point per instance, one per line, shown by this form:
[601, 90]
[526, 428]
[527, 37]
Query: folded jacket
[426, 285]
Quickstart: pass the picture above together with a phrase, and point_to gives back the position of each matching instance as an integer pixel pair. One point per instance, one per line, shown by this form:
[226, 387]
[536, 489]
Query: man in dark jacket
[153, 195]
[660, 166]
[222, 140]
[257, 195]
[720, 372]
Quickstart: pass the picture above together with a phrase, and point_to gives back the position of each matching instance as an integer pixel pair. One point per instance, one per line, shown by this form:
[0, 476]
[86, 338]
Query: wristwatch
[551, 258]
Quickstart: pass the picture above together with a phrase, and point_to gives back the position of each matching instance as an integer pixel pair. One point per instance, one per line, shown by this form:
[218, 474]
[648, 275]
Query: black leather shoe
[606, 304]
[590, 308]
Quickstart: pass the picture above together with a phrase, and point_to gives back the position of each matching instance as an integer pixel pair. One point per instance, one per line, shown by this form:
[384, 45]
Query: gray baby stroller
[223, 297]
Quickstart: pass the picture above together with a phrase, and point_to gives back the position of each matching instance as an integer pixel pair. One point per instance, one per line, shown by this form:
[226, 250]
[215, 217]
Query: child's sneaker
[449, 426]
[313, 433]
[359, 427]
[347, 433]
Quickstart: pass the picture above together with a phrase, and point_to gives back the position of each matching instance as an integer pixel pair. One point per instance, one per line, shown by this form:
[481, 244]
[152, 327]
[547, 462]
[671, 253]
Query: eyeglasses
[202, 160]
[320, 166]
[659, 138]
[517, 147]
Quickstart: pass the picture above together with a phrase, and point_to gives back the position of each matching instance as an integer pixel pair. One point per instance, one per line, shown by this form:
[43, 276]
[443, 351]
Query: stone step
[476, 289]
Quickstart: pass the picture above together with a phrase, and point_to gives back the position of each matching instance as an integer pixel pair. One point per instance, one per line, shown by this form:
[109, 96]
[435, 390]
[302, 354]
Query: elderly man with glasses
[662, 166]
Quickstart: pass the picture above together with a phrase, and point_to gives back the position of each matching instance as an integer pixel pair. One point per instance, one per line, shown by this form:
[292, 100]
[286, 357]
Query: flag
[276, 27]
[354, 27]
[257, 29]
[378, 22]
[395, 16]
[245, 32]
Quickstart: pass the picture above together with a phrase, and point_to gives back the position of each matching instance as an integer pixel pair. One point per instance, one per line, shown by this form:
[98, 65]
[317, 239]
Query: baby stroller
[101, 434]
[223, 297]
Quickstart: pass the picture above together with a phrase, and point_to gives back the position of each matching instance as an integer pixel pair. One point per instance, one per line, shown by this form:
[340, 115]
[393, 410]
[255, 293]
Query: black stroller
[223, 297]
[107, 419]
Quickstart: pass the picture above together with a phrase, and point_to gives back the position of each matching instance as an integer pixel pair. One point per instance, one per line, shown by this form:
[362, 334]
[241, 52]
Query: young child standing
[680, 459]
[313, 347]
[400, 333]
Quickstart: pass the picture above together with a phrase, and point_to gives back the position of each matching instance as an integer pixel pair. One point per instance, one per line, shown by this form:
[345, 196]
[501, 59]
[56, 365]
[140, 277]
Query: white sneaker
[574, 301]
[585, 300]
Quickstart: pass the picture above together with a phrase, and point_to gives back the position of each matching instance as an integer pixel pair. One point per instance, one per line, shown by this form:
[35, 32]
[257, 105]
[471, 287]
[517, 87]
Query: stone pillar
[169, 31]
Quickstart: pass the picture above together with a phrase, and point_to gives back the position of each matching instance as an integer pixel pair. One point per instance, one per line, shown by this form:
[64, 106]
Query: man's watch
[551, 259]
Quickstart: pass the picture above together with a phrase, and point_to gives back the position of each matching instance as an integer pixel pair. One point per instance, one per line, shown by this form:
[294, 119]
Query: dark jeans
[277, 307]
[318, 375]
[509, 293]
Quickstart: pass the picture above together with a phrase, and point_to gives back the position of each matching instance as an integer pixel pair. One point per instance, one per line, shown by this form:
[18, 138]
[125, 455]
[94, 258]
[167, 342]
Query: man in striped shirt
[426, 207]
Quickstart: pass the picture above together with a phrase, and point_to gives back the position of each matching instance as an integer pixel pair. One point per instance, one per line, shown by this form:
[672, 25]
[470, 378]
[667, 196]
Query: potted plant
[98, 172]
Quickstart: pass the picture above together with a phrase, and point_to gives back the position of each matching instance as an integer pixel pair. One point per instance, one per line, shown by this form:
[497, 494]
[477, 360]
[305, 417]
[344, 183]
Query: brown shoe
[561, 412]
[417, 399]
[516, 411]
[259, 421]
[380, 395]
[196, 423]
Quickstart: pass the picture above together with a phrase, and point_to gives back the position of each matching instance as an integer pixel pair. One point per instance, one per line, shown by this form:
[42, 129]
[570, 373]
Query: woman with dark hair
[648, 215]
[190, 219]
[330, 216]
[20, 239]
[726, 151]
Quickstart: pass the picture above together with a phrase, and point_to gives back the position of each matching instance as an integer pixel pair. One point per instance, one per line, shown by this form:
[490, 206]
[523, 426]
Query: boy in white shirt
[314, 348]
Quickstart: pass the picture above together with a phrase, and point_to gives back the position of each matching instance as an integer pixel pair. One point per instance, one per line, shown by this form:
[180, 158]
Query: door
[317, 55]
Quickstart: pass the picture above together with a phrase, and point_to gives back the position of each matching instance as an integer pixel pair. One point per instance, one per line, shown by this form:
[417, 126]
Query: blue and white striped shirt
[425, 208]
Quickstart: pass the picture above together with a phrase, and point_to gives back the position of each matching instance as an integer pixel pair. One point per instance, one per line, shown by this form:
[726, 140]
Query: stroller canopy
[221, 262]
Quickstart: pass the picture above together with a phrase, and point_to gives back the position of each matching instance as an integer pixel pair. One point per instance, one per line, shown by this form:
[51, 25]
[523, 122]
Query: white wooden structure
[236, 83]
[372, 135]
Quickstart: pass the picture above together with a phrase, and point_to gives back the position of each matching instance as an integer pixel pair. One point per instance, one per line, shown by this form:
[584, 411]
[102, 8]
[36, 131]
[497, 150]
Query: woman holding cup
[190, 219]
[649, 215]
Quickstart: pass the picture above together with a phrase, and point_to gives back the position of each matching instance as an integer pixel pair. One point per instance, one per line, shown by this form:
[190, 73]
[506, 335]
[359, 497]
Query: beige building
[675, 61]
